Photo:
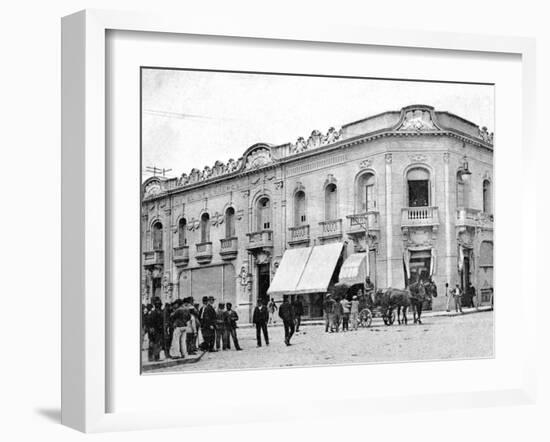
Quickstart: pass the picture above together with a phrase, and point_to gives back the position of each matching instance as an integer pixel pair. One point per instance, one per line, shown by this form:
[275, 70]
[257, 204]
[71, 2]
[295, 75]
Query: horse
[419, 293]
[391, 298]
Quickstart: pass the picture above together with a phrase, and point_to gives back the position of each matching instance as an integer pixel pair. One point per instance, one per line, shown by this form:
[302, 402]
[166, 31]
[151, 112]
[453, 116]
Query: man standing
[286, 313]
[220, 327]
[272, 307]
[298, 311]
[167, 329]
[155, 326]
[207, 317]
[260, 318]
[231, 318]
[346, 310]
[180, 317]
[192, 326]
[471, 295]
[457, 295]
[328, 307]
[338, 312]
[354, 312]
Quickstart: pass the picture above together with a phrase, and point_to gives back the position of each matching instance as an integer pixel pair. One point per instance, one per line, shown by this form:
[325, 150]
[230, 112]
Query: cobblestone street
[443, 337]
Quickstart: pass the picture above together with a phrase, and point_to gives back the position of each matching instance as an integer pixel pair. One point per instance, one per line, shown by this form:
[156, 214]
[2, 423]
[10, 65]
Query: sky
[193, 118]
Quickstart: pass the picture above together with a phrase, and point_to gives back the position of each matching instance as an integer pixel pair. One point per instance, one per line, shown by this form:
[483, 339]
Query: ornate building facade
[413, 187]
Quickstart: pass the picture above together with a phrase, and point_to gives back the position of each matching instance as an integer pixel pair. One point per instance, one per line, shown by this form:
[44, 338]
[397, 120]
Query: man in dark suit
[207, 318]
[155, 324]
[260, 319]
[286, 313]
[298, 306]
[231, 318]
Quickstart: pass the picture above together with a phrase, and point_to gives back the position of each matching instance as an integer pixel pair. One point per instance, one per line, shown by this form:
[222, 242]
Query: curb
[150, 366]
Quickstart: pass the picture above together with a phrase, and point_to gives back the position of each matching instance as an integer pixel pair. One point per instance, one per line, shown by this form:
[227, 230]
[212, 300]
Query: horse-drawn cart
[367, 311]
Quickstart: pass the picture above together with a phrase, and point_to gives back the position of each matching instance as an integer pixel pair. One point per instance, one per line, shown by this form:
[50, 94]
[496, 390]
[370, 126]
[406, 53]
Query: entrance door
[465, 280]
[419, 265]
[263, 282]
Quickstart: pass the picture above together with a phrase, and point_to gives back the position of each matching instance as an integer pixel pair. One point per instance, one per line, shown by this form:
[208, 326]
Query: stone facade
[422, 178]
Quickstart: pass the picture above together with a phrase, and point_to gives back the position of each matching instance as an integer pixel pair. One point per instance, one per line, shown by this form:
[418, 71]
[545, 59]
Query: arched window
[205, 227]
[157, 236]
[299, 208]
[331, 208]
[366, 197]
[264, 214]
[230, 222]
[182, 238]
[418, 183]
[487, 197]
[460, 191]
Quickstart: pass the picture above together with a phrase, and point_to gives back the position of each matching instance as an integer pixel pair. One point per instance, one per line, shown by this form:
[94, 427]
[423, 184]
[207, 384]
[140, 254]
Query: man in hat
[286, 313]
[298, 306]
[354, 312]
[155, 326]
[180, 317]
[231, 318]
[207, 318]
[260, 318]
[329, 307]
[220, 327]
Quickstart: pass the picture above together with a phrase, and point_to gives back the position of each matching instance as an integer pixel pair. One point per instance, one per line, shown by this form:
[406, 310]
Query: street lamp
[464, 169]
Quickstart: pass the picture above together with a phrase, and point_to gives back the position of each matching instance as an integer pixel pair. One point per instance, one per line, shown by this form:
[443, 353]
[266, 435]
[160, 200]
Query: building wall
[388, 158]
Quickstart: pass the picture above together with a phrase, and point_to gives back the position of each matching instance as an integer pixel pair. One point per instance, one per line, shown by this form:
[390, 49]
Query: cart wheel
[365, 318]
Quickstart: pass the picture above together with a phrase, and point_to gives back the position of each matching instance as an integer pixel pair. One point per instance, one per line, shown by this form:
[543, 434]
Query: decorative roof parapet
[413, 120]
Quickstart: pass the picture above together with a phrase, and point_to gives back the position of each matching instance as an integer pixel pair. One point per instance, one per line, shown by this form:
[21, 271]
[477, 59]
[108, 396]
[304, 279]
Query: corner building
[413, 187]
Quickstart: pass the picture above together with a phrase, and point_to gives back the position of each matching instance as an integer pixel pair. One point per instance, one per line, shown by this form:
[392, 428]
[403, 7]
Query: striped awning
[354, 269]
[306, 270]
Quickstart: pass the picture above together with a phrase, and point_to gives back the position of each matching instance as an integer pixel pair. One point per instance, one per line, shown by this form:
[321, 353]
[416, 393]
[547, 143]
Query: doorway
[263, 283]
[157, 287]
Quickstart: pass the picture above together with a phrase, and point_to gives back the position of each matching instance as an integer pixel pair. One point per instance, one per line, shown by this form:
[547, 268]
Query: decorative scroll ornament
[330, 180]
[193, 224]
[365, 164]
[153, 188]
[419, 158]
[316, 139]
[258, 158]
[217, 219]
[417, 120]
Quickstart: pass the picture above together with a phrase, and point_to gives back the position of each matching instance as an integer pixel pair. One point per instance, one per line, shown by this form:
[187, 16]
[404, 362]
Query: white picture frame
[85, 312]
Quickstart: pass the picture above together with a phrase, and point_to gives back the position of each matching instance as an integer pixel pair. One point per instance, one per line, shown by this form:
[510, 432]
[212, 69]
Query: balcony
[260, 240]
[299, 235]
[181, 255]
[204, 252]
[419, 216]
[229, 248]
[330, 229]
[360, 221]
[473, 218]
[153, 257]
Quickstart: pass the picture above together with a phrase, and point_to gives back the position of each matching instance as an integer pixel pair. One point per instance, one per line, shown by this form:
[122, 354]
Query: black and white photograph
[308, 220]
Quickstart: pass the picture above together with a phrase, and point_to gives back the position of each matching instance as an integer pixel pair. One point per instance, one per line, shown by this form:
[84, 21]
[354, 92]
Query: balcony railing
[473, 218]
[359, 221]
[419, 216]
[331, 228]
[261, 239]
[229, 247]
[153, 257]
[181, 255]
[204, 252]
[299, 234]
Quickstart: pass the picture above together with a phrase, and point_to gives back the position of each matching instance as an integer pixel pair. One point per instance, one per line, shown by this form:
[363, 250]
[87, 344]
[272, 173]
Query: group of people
[174, 328]
[290, 313]
[461, 298]
[340, 312]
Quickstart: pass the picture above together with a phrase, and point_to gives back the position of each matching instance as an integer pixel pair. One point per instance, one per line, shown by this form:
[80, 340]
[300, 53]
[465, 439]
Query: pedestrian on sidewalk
[155, 326]
[329, 307]
[272, 307]
[286, 313]
[346, 311]
[354, 312]
[298, 311]
[231, 318]
[180, 317]
[167, 329]
[220, 327]
[192, 326]
[338, 314]
[260, 318]
[457, 295]
[207, 317]
[471, 295]
[448, 296]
